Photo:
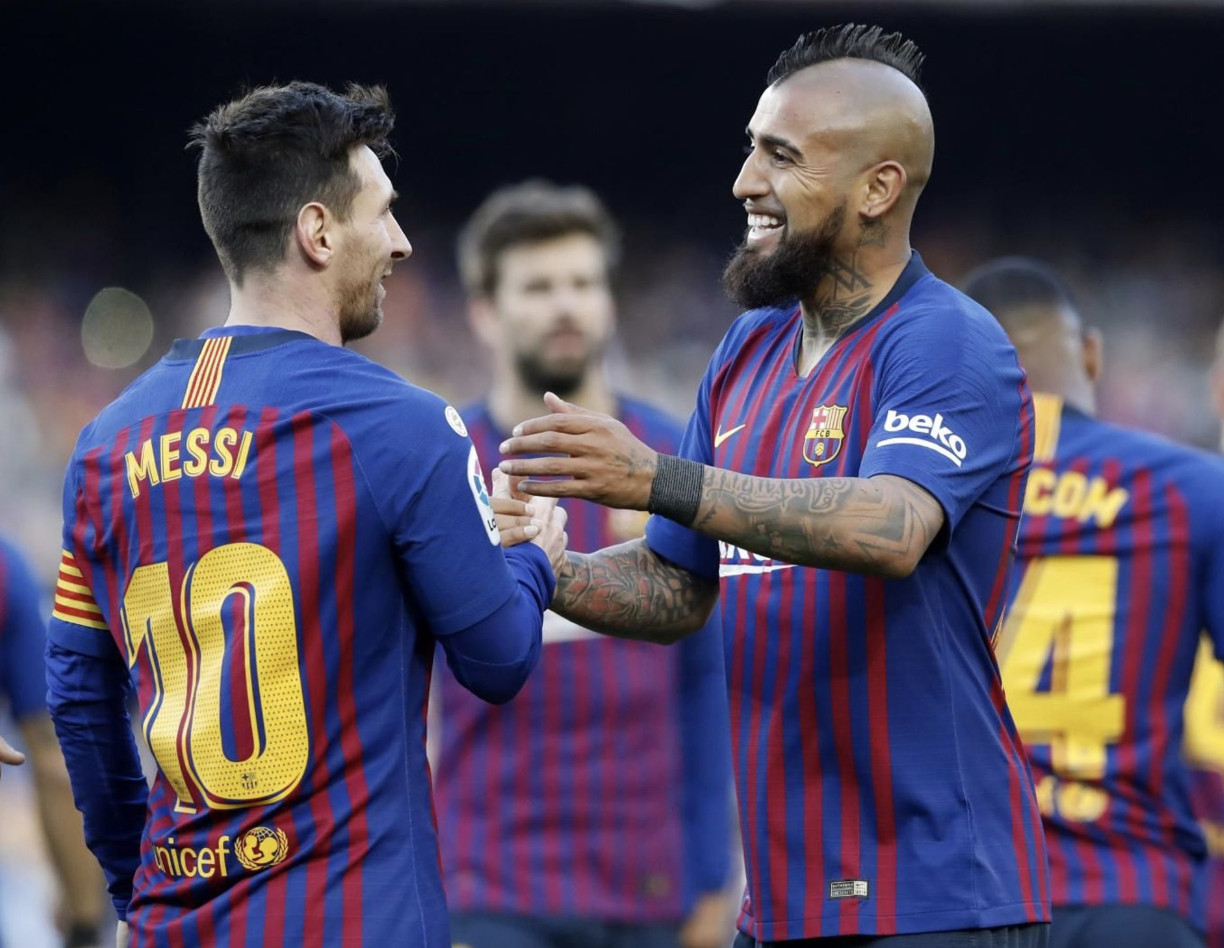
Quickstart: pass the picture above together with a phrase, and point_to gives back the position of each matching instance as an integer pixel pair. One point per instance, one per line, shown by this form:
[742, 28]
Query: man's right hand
[10, 755]
[522, 518]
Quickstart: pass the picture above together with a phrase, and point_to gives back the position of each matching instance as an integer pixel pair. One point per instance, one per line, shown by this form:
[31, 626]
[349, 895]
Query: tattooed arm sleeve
[630, 592]
[881, 525]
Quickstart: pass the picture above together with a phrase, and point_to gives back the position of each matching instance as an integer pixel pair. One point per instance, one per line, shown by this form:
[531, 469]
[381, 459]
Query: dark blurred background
[1087, 134]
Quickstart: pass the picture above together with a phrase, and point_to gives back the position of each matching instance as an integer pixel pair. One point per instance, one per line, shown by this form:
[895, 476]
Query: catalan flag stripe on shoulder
[205, 380]
[73, 600]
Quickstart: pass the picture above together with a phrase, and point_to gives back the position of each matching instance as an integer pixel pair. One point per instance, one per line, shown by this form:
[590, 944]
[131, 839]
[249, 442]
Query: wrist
[675, 492]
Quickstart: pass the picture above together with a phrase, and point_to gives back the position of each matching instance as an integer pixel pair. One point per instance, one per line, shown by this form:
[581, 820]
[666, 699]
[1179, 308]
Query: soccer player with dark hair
[852, 478]
[594, 808]
[23, 690]
[1120, 566]
[265, 536]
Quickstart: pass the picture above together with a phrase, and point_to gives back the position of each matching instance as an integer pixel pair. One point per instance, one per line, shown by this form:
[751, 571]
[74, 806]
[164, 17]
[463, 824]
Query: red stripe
[885, 895]
[345, 592]
[777, 825]
[1015, 501]
[1018, 786]
[809, 740]
[314, 664]
[843, 744]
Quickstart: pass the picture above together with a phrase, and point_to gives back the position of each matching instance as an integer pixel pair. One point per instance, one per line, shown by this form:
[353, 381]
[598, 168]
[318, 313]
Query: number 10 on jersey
[192, 660]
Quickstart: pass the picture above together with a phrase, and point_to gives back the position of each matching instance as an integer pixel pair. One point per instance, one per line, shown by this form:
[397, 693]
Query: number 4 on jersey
[1063, 616]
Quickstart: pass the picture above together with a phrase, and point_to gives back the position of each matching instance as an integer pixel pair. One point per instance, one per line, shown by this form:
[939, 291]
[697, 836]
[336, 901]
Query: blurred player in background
[269, 534]
[594, 808]
[23, 684]
[1121, 565]
[853, 474]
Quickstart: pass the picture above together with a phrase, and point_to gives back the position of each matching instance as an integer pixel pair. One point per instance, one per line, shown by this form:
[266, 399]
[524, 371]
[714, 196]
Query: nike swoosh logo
[722, 436]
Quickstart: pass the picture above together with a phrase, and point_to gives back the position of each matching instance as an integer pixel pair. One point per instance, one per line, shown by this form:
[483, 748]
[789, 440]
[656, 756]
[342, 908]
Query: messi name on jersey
[199, 451]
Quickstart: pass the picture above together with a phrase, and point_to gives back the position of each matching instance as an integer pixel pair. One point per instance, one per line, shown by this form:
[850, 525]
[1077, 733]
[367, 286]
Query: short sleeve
[691, 550]
[950, 406]
[22, 638]
[443, 527]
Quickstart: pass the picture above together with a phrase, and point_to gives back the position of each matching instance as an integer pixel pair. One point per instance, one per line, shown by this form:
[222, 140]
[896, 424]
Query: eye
[748, 148]
[780, 157]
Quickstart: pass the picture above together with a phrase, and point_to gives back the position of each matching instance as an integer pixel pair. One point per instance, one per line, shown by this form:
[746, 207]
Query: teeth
[763, 221]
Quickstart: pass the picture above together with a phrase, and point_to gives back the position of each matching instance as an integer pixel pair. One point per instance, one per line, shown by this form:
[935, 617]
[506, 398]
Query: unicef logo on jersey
[476, 484]
[261, 847]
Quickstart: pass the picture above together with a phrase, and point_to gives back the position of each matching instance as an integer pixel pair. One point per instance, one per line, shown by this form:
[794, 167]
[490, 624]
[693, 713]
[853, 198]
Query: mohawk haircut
[1011, 284]
[850, 41]
[532, 212]
[266, 154]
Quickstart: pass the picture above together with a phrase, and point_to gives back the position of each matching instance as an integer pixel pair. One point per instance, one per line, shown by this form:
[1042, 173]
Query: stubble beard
[360, 311]
[539, 377]
[791, 272]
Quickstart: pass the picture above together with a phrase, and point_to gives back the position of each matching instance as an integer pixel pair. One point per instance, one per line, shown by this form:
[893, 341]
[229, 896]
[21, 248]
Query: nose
[400, 248]
[749, 182]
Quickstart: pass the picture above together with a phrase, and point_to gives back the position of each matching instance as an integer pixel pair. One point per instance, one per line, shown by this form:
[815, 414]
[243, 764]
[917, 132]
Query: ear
[483, 319]
[314, 233]
[1094, 353]
[883, 186]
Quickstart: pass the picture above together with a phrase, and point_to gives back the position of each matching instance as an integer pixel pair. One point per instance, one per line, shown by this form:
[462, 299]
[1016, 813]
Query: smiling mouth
[764, 225]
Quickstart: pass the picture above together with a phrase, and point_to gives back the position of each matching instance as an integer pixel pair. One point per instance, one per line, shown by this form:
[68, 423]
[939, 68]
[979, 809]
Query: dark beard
[792, 272]
[540, 378]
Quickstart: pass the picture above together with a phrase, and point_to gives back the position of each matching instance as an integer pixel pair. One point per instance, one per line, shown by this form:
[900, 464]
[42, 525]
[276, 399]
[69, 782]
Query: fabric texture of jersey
[1121, 565]
[882, 786]
[603, 789]
[1204, 752]
[272, 532]
[22, 637]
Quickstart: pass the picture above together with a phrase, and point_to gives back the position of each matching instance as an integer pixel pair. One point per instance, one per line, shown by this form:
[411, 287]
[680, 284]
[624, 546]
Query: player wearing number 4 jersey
[1121, 565]
[266, 535]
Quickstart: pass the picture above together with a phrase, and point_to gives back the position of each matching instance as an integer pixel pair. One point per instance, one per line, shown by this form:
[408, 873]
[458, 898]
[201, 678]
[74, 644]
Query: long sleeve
[87, 697]
[493, 657]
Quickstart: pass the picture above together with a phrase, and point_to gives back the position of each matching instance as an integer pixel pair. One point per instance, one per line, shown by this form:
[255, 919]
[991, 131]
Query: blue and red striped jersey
[1204, 752]
[603, 789]
[1121, 564]
[272, 532]
[23, 679]
[882, 786]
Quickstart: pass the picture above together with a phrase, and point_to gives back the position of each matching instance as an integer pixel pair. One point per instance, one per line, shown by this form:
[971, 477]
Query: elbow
[503, 691]
[898, 566]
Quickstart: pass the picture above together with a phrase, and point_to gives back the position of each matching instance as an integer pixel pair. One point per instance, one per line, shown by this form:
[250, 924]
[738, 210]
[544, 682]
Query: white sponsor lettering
[736, 561]
[559, 629]
[939, 437]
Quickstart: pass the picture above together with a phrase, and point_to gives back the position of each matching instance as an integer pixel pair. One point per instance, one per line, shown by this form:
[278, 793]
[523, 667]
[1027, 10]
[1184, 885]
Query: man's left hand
[602, 460]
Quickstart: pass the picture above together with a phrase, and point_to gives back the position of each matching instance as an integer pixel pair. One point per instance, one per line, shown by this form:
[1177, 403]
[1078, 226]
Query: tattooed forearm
[628, 592]
[880, 525]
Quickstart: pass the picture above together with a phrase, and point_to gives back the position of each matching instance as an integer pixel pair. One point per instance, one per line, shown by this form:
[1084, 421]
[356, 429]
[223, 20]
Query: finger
[541, 467]
[508, 522]
[516, 535]
[510, 508]
[565, 488]
[542, 508]
[556, 403]
[501, 487]
[560, 422]
[9, 754]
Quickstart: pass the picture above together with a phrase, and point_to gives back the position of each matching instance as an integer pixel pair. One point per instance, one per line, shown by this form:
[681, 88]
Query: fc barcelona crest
[825, 434]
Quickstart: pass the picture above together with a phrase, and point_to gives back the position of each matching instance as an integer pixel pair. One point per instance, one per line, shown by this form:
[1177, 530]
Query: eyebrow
[774, 141]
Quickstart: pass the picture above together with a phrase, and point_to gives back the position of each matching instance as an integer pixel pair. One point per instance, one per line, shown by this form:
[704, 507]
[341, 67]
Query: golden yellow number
[1204, 741]
[1064, 611]
[186, 648]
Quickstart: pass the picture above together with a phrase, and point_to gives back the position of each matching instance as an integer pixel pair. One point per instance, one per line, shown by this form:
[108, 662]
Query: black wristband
[676, 491]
